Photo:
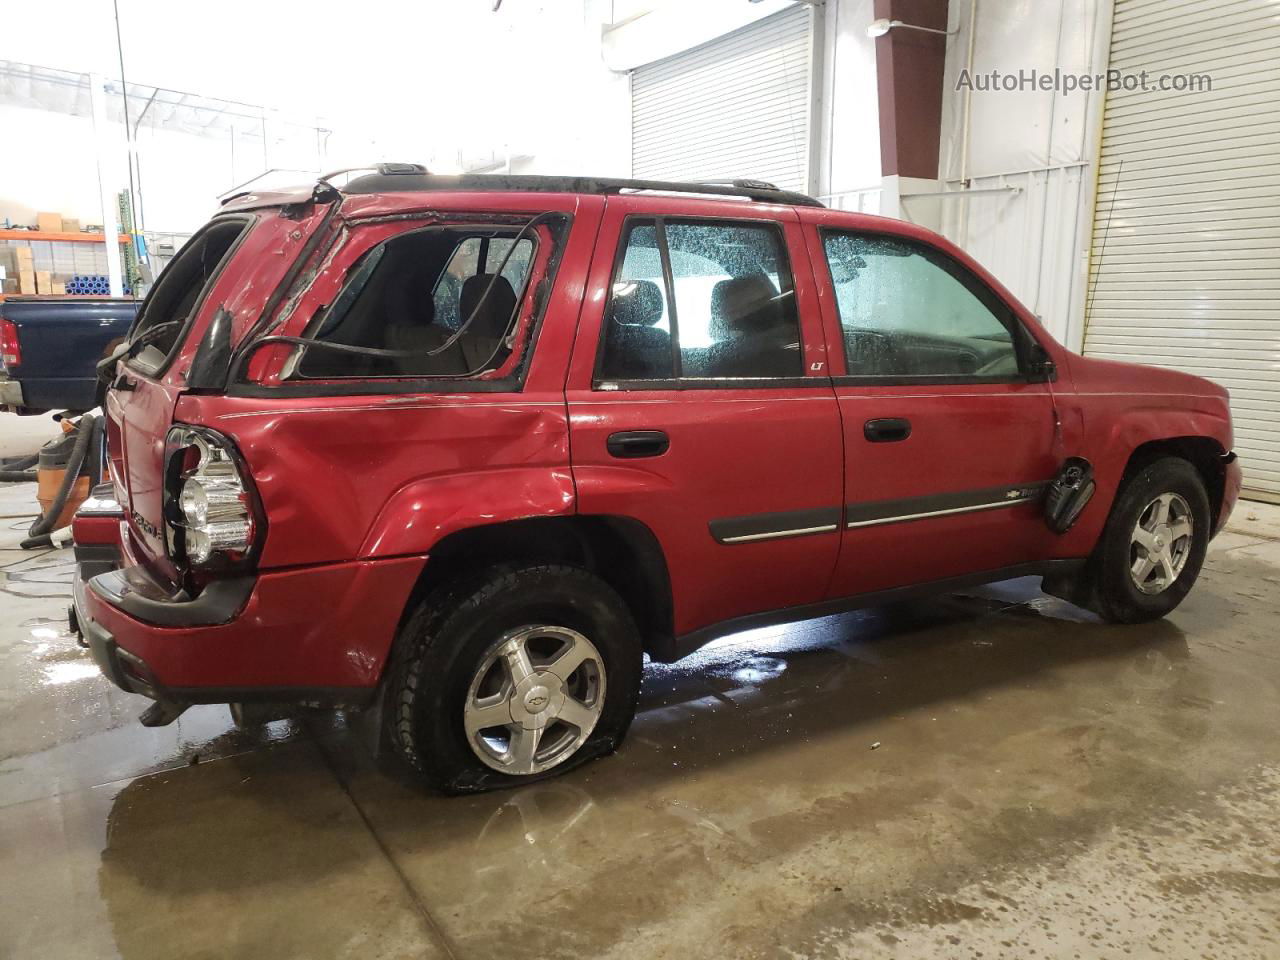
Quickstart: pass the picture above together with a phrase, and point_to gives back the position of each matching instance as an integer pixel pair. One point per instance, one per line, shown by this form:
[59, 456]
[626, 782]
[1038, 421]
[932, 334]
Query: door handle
[887, 430]
[632, 444]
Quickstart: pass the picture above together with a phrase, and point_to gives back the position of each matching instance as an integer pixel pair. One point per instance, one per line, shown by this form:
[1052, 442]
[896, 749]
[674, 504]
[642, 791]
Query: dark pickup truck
[50, 347]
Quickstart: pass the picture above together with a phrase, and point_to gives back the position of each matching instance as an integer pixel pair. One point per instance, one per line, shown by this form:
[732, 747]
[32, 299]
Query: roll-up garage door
[1185, 266]
[737, 106]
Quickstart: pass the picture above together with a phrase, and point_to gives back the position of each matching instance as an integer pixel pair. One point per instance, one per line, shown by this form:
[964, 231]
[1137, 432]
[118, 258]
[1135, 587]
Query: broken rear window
[439, 302]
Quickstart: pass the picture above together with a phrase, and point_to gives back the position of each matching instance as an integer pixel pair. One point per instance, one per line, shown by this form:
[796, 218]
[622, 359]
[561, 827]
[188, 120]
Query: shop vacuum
[66, 469]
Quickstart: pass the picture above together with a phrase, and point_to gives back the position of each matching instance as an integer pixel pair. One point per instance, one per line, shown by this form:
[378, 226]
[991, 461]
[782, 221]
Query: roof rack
[402, 177]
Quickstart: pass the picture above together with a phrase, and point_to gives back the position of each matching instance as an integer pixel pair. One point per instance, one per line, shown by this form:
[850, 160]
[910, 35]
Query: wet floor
[984, 775]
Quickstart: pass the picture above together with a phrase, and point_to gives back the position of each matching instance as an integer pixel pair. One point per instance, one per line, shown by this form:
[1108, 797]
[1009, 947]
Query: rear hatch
[235, 263]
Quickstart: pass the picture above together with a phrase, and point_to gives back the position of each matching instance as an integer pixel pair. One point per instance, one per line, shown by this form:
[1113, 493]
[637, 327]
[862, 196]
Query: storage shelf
[57, 237]
[63, 296]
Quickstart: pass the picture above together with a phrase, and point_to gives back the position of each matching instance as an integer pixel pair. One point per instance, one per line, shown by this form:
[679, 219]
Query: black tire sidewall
[455, 634]
[1119, 596]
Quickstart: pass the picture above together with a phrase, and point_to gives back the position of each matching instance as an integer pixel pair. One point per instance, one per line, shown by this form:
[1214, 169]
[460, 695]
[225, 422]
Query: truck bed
[60, 340]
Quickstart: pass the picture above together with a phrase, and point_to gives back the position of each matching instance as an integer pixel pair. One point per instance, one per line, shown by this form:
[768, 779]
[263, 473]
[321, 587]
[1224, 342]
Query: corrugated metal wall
[738, 106]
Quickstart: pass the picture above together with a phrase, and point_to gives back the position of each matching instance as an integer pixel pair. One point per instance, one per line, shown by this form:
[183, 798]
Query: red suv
[468, 448]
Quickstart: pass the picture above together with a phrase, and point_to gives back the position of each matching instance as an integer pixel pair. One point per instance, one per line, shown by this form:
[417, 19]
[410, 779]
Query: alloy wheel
[535, 699]
[1160, 543]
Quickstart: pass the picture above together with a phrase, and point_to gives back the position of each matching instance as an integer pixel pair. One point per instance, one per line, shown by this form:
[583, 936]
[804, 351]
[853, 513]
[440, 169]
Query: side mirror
[1040, 366]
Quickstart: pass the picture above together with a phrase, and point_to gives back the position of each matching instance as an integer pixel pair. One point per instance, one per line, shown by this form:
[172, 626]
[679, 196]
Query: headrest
[409, 302]
[640, 305]
[745, 304]
[498, 305]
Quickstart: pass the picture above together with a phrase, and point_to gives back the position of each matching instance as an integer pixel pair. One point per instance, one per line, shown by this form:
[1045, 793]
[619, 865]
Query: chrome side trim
[778, 534]
[903, 518]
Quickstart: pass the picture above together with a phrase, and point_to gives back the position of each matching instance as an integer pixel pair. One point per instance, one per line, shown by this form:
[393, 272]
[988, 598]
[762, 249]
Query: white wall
[47, 162]
[1031, 154]
[849, 114]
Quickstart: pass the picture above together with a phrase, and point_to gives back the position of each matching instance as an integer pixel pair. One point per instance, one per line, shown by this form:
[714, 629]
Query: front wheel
[1154, 542]
[514, 675]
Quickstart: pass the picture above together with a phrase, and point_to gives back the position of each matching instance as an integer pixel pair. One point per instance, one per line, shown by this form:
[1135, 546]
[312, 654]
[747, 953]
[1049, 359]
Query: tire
[456, 664]
[1119, 561]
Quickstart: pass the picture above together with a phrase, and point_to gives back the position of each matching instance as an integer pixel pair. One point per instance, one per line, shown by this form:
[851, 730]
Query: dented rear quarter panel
[365, 477]
[376, 475]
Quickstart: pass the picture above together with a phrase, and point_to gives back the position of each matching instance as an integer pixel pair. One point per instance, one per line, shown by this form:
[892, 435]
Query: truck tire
[1154, 543]
[512, 676]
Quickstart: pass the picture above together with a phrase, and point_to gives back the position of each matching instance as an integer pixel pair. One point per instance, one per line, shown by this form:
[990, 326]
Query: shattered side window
[436, 303]
[734, 305]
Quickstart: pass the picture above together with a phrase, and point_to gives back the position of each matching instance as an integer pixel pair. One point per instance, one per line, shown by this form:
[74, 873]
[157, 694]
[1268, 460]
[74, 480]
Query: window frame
[292, 376]
[1023, 339]
[156, 370]
[659, 222]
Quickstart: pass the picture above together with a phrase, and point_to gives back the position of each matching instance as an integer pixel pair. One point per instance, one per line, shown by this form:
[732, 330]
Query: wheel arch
[1206, 454]
[622, 551]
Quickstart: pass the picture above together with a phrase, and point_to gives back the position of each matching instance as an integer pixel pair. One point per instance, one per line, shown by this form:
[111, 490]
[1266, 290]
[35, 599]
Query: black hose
[37, 535]
[18, 469]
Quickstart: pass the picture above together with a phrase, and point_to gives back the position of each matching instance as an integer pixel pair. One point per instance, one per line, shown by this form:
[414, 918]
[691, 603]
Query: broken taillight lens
[211, 512]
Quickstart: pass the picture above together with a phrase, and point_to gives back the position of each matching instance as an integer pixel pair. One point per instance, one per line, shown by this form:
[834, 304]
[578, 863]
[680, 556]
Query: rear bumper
[10, 392]
[315, 635]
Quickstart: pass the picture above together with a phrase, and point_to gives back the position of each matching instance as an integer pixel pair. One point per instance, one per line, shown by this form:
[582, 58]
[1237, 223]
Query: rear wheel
[1154, 542]
[514, 675]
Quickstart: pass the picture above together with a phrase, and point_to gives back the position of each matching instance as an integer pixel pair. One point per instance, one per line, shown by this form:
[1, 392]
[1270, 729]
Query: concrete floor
[983, 775]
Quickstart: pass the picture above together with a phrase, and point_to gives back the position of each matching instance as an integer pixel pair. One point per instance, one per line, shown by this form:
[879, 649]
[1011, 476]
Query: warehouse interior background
[988, 774]
[1067, 204]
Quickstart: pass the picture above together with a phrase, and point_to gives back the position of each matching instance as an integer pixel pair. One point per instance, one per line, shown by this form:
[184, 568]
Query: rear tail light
[10, 351]
[211, 512]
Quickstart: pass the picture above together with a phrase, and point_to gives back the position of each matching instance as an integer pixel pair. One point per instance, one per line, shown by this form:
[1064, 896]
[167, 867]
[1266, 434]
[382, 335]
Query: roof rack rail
[406, 177]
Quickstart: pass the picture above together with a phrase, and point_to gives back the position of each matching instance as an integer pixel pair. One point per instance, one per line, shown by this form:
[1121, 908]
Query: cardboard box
[26, 281]
[59, 288]
[9, 285]
[70, 226]
[23, 258]
[44, 281]
[49, 222]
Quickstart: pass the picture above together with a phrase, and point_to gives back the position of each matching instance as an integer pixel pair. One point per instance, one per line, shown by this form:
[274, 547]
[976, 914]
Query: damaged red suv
[469, 448]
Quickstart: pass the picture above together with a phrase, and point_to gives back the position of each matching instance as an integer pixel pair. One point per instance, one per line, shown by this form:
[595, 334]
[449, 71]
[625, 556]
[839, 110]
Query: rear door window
[701, 300]
[430, 303]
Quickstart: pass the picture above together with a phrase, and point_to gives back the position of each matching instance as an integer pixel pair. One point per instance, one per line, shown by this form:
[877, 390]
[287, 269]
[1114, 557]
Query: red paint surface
[357, 490]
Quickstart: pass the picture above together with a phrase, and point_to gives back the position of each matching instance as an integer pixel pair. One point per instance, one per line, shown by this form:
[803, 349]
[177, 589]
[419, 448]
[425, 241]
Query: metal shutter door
[1187, 274]
[737, 106]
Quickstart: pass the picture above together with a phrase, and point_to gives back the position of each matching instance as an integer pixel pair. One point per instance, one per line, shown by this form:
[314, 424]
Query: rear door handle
[887, 430]
[632, 444]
